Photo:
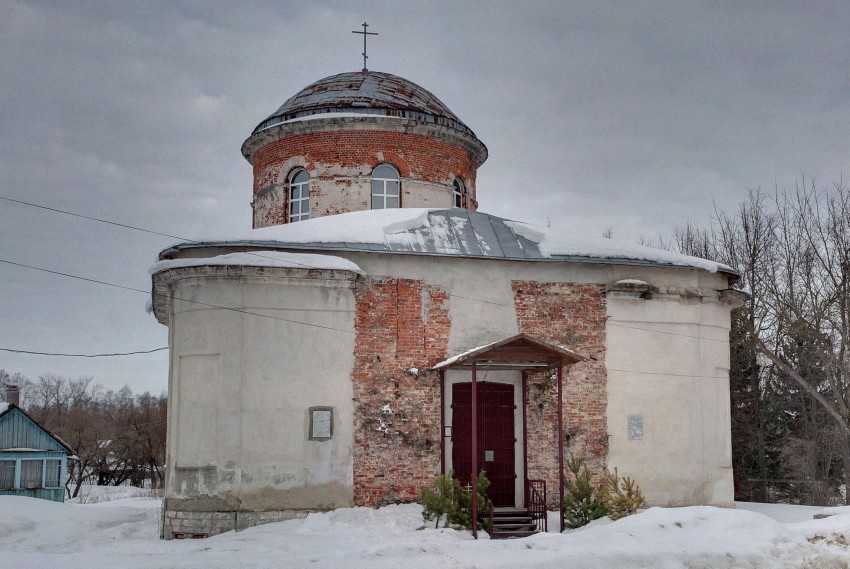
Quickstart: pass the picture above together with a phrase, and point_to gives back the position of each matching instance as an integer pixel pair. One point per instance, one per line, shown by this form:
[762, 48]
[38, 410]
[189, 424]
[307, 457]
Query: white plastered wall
[241, 386]
[668, 369]
[667, 361]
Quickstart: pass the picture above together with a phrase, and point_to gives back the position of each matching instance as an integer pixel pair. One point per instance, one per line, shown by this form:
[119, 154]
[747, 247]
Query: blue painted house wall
[26, 448]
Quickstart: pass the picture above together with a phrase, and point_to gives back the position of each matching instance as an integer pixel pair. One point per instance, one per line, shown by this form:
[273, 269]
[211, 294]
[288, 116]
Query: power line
[690, 375]
[124, 225]
[82, 355]
[146, 292]
[305, 265]
[666, 332]
[133, 227]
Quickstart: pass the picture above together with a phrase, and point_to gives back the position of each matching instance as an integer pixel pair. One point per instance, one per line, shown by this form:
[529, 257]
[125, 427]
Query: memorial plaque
[635, 427]
[321, 423]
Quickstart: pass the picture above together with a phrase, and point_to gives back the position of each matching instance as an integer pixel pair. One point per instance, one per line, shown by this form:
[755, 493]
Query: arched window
[385, 187]
[458, 193]
[299, 196]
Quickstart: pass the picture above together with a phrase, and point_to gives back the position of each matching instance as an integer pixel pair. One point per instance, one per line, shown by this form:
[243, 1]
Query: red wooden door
[496, 442]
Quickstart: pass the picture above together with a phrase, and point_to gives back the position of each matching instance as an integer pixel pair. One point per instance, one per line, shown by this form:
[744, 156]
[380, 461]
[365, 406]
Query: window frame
[303, 198]
[45, 471]
[38, 481]
[17, 468]
[458, 193]
[14, 468]
[384, 181]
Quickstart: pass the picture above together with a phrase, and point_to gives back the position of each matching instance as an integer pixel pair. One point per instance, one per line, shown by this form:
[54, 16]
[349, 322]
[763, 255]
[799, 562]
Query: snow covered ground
[123, 533]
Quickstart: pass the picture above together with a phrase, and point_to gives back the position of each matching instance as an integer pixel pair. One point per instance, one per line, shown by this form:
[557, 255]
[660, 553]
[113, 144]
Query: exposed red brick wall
[571, 315]
[328, 155]
[415, 155]
[400, 324]
[403, 324]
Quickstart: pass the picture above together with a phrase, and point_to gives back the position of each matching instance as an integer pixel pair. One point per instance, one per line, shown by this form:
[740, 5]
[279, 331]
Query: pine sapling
[582, 503]
[622, 496]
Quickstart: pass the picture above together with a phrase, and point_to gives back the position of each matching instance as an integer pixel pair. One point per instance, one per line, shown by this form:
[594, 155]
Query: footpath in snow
[123, 533]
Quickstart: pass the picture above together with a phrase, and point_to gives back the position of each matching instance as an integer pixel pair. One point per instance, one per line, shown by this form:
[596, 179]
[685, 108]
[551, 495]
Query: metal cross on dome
[365, 33]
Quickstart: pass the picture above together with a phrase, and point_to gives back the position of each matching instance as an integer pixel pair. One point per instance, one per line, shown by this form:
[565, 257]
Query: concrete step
[508, 527]
[511, 534]
[511, 518]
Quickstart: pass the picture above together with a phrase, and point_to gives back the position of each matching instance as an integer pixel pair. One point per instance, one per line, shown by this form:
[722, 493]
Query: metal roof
[369, 92]
[518, 352]
[453, 232]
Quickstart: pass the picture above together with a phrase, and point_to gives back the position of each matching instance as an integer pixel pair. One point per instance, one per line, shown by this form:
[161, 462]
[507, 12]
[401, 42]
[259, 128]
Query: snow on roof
[455, 232]
[262, 259]
[553, 348]
[370, 113]
[453, 359]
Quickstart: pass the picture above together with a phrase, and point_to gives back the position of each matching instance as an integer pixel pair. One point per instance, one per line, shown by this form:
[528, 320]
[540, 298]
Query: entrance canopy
[522, 352]
[519, 352]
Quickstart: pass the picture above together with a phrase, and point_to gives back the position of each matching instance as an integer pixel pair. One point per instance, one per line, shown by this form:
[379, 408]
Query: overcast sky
[635, 116]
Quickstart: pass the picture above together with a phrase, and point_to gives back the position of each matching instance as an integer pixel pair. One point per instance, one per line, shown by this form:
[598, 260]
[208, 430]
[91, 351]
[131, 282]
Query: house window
[385, 187]
[299, 196]
[52, 473]
[459, 193]
[321, 423]
[7, 474]
[31, 473]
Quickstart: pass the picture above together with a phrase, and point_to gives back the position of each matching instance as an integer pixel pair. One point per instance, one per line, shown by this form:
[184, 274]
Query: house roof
[11, 407]
[519, 352]
[445, 232]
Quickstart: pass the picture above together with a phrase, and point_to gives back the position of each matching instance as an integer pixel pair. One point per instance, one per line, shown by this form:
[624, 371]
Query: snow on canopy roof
[262, 259]
[521, 351]
[446, 232]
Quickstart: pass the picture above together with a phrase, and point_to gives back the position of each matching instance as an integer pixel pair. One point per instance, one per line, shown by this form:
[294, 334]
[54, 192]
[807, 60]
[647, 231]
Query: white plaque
[635, 427]
[321, 423]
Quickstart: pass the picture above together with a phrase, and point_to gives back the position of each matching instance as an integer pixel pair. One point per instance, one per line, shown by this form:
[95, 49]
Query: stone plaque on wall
[321, 423]
[635, 427]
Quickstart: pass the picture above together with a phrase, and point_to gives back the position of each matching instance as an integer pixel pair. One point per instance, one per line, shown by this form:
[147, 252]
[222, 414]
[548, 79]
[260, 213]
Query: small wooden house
[33, 462]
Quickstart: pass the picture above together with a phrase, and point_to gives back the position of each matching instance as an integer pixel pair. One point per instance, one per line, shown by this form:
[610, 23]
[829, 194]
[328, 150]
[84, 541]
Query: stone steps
[512, 523]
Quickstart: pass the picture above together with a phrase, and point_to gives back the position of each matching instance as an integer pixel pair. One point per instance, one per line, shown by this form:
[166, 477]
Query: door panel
[496, 444]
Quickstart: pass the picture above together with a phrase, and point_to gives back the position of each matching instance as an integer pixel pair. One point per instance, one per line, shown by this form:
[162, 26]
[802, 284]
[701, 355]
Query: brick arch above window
[294, 163]
[397, 161]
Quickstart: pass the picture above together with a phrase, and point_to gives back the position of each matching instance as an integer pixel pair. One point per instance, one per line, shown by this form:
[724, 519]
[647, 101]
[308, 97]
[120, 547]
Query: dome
[367, 92]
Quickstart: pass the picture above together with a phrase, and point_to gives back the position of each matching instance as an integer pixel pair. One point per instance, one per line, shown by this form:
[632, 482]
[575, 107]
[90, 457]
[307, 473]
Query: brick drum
[571, 315]
[334, 158]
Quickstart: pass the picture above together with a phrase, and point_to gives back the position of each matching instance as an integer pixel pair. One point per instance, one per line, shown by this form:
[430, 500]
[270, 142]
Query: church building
[330, 355]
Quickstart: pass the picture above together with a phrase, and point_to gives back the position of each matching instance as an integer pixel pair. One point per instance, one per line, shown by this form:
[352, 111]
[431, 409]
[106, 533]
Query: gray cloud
[635, 116]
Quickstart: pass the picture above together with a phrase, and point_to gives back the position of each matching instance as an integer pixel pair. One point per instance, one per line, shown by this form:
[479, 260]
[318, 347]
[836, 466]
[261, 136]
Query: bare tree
[116, 437]
[791, 340]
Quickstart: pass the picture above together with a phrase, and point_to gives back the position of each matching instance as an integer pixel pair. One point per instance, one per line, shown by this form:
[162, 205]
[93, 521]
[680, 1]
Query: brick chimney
[12, 394]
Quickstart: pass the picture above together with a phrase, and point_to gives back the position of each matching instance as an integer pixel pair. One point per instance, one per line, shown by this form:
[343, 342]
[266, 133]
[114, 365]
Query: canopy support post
[474, 472]
[561, 442]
